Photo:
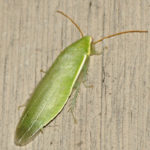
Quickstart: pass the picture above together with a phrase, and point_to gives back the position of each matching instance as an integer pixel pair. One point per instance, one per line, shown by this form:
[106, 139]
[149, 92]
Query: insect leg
[42, 71]
[84, 73]
[94, 52]
[20, 106]
[81, 79]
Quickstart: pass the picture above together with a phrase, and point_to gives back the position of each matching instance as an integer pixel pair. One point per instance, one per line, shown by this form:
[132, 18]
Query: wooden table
[115, 113]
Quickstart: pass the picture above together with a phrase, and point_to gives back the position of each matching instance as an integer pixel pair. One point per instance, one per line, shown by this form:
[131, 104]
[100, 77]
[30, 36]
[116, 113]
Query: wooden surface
[115, 113]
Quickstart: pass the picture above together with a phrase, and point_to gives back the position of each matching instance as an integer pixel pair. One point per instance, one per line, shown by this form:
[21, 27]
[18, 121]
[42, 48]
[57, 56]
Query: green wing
[53, 91]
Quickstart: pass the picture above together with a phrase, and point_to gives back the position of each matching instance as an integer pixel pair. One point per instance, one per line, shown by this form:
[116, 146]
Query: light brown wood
[115, 113]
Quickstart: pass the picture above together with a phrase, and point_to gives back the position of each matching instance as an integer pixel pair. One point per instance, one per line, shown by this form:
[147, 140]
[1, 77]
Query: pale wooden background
[115, 113]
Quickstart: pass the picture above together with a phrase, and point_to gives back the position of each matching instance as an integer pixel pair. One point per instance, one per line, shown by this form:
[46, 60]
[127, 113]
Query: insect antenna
[58, 11]
[116, 34]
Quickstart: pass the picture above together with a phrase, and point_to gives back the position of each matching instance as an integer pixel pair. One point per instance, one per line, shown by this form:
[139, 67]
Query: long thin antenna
[109, 36]
[58, 11]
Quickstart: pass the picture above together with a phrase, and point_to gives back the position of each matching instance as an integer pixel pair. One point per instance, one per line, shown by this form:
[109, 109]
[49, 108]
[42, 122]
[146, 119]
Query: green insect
[54, 89]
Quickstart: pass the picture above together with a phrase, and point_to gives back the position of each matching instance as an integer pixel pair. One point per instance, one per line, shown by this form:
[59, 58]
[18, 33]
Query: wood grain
[115, 113]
